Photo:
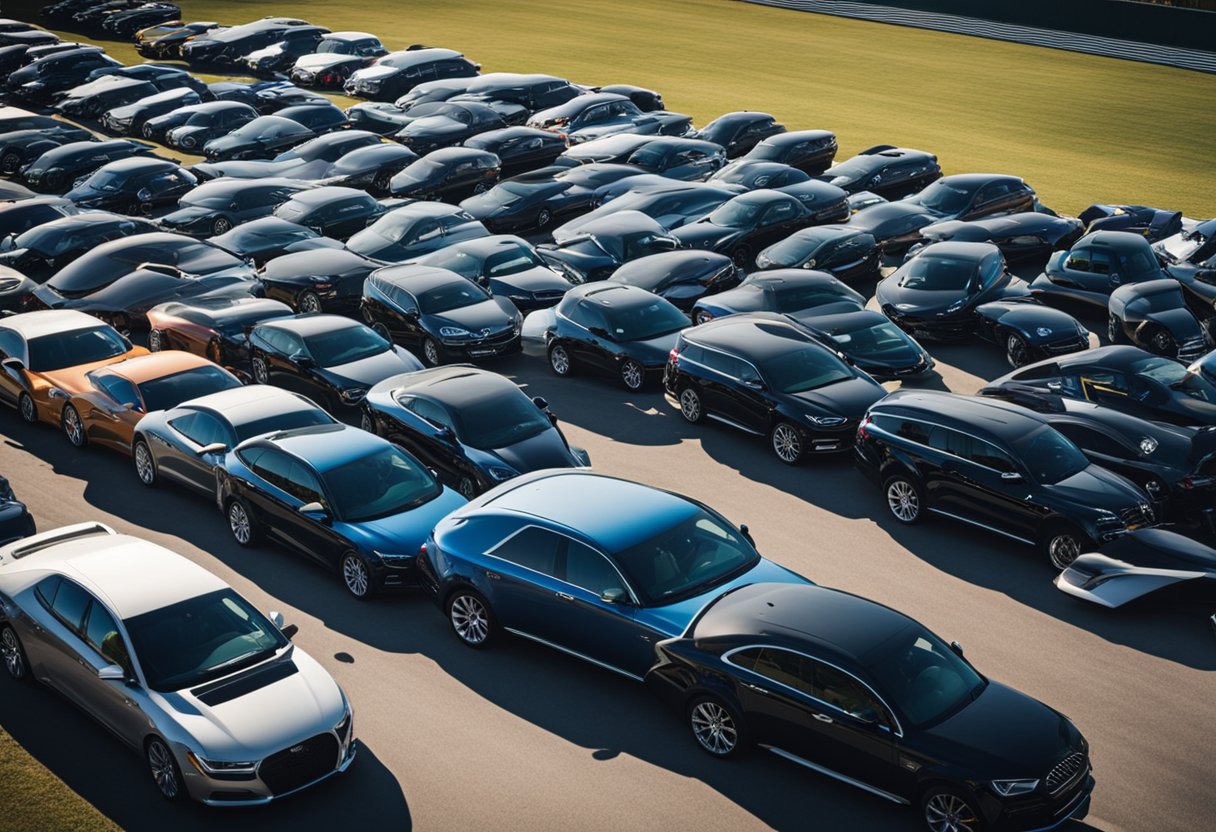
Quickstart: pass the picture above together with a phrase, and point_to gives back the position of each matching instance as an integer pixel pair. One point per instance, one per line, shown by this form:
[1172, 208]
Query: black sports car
[215, 328]
[396, 73]
[519, 149]
[1096, 265]
[326, 280]
[472, 427]
[1127, 379]
[260, 240]
[534, 200]
[827, 203]
[1029, 235]
[745, 224]
[319, 115]
[1029, 331]
[604, 245]
[739, 132]
[91, 99]
[1151, 223]
[56, 169]
[515, 97]
[681, 277]
[15, 519]
[42, 80]
[444, 316]
[428, 127]
[507, 266]
[1154, 315]
[840, 250]
[612, 149]
[973, 196]
[190, 128]
[891, 172]
[371, 168]
[671, 205]
[894, 225]
[450, 173]
[647, 100]
[18, 217]
[1140, 564]
[124, 24]
[20, 147]
[129, 120]
[415, 229]
[1190, 258]
[331, 359]
[15, 118]
[134, 185]
[794, 292]
[869, 341]
[751, 174]
[676, 157]
[43, 250]
[213, 208]
[332, 211]
[310, 160]
[592, 116]
[160, 76]
[261, 138]
[808, 150]
[610, 329]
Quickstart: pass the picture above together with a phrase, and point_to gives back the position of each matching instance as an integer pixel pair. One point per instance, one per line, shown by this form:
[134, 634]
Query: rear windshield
[71, 349]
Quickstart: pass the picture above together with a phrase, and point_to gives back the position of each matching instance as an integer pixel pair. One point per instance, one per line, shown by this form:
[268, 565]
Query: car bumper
[465, 351]
[1042, 816]
[236, 793]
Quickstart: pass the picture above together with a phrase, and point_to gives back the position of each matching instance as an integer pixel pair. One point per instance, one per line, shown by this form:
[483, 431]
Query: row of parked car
[323, 268]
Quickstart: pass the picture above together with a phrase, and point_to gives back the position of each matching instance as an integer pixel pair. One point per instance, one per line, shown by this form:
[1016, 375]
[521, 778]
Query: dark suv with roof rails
[996, 466]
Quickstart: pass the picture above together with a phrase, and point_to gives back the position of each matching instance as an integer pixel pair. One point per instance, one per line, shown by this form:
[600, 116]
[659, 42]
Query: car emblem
[484, 332]
[298, 749]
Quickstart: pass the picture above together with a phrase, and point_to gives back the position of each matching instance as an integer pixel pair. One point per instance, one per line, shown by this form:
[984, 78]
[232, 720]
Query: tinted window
[101, 632]
[841, 690]
[640, 322]
[46, 589]
[1091, 440]
[117, 388]
[342, 346]
[454, 295]
[302, 484]
[11, 344]
[500, 421]
[272, 466]
[170, 391]
[790, 669]
[924, 677]
[588, 569]
[69, 605]
[430, 411]
[71, 349]
[281, 421]
[804, 368]
[385, 482]
[200, 428]
[533, 548]
[1049, 456]
[931, 272]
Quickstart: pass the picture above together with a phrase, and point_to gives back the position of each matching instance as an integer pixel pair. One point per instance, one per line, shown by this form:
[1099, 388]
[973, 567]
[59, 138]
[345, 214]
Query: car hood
[432, 126]
[850, 398]
[265, 720]
[1097, 488]
[536, 279]
[920, 301]
[374, 73]
[545, 450]
[1180, 322]
[1004, 734]
[187, 215]
[703, 234]
[487, 314]
[374, 369]
[405, 533]
[322, 60]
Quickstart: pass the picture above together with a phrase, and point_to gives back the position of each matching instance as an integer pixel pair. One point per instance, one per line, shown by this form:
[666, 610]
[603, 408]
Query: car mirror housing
[1011, 476]
[314, 510]
[13, 363]
[276, 618]
[957, 648]
[615, 595]
[747, 534]
[112, 673]
[540, 402]
[213, 448]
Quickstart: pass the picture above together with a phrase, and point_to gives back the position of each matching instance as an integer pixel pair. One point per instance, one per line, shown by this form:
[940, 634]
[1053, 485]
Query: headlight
[1013, 788]
[393, 558]
[454, 332]
[56, 393]
[825, 421]
[957, 305]
[518, 298]
[519, 324]
[354, 395]
[501, 474]
[762, 261]
[342, 729]
[210, 767]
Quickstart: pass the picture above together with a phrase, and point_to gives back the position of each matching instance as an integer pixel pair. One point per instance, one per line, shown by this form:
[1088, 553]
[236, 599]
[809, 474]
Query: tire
[543, 218]
[716, 727]
[10, 163]
[367, 423]
[54, 181]
[691, 406]
[787, 443]
[13, 654]
[166, 776]
[156, 340]
[357, 576]
[146, 131]
[382, 330]
[222, 225]
[1061, 543]
[1162, 342]
[947, 809]
[73, 427]
[701, 317]
[381, 182]
[145, 463]
[430, 353]
[244, 525]
[308, 303]
[905, 499]
[260, 372]
[27, 408]
[1017, 352]
[633, 376]
[742, 256]
[480, 188]
[560, 361]
[467, 488]
[1114, 331]
[471, 618]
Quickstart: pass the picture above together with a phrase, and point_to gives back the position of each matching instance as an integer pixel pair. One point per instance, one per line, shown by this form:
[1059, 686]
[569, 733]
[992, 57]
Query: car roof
[483, 247]
[418, 278]
[312, 324]
[226, 185]
[1121, 240]
[325, 261]
[249, 403]
[327, 193]
[325, 446]
[757, 335]
[32, 325]
[223, 310]
[742, 116]
[447, 155]
[678, 262]
[954, 248]
[970, 413]
[796, 137]
[457, 386]
[156, 365]
[976, 179]
[347, 36]
[135, 164]
[404, 58]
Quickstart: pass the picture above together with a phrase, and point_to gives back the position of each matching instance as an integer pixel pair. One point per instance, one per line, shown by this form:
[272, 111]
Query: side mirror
[304, 362]
[112, 673]
[14, 364]
[1011, 476]
[213, 448]
[615, 595]
[753, 384]
[540, 402]
[746, 532]
[276, 618]
[957, 648]
[445, 433]
[314, 511]
[865, 715]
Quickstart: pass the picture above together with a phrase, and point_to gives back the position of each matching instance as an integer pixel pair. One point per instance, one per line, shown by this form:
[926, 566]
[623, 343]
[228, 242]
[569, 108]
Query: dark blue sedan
[595, 566]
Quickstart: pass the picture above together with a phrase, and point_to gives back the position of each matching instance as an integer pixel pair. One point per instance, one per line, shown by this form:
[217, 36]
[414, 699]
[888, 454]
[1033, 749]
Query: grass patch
[1079, 128]
[35, 800]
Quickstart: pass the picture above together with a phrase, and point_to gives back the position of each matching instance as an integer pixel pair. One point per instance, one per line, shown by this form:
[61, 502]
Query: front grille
[1193, 348]
[549, 295]
[1065, 347]
[1066, 772]
[299, 765]
[1138, 515]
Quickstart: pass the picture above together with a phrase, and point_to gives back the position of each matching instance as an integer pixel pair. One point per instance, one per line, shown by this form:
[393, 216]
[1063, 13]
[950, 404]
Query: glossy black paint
[1154, 315]
[544, 197]
[41, 251]
[605, 244]
[415, 229]
[130, 119]
[135, 185]
[19, 147]
[739, 132]
[1084, 276]
[787, 291]
[396, 73]
[1151, 223]
[310, 160]
[267, 238]
[840, 250]
[681, 277]
[91, 99]
[56, 169]
[671, 204]
[225, 47]
[811, 151]
[261, 138]
[679, 158]
[428, 127]
[213, 208]
[592, 116]
[449, 173]
[747, 223]
[332, 211]
[1026, 236]
[519, 149]
[329, 280]
[507, 266]
[870, 342]
[41, 80]
[891, 172]
[189, 128]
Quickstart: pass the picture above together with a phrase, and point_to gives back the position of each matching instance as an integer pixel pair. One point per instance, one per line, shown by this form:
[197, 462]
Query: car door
[180, 456]
[436, 447]
[116, 703]
[404, 319]
[720, 386]
[269, 492]
[55, 650]
[519, 574]
[589, 344]
[12, 378]
[777, 222]
[989, 487]
[297, 371]
[313, 535]
[1086, 270]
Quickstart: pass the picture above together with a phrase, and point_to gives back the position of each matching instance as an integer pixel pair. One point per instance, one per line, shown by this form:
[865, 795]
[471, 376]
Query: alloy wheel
[10, 163]
[310, 304]
[145, 467]
[238, 521]
[467, 488]
[903, 500]
[713, 727]
[164, 773]
[1112, 330]
[26, 405]
[543, 218]
[260, 373]
[366, 423]
[355, 575]
[787, 444]
[559, 360]
[430, 351]
[1063, 549]
[73, 428]
[702, 317]
[690, 404]
[470, 619]
[10, 649]
[1163, 343]
[382, 180]
[945, 812]
[222, 225]
[155, 340]
[632, 375]
[1016, 351]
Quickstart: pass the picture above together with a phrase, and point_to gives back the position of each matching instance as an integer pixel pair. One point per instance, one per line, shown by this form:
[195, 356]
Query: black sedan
[215, 328]
[605, 245]
[1125, 378]
[56, 169]
[519, 149]
[973, 196]
[739, 132]
[225, 46]
[335, 59]
[213, 208]
[129, 120]
[158, 75]
[769, 377]
[1029, 235]
[593, 116]
[276, 58]
[681, 277]
[332, 211]
[93, 98]
[134, 185]
[416, 229]
[745, 224]
[42, 80]
[895, 226]
[507, 266]
[260, 240]
[331, 359]
[444, 316]
[788, 291]
[866, 695]
[43, 250]
[473, 428]
[190, 128]
[325, 280]
[309, 160]
[891, 172]
[679, 158]
[428, 127]
[870, 342]
[20, 147]
[610, 329]
[1154, 315]
[319, 115]
[261, 138]
[396, 73]
[450, 173]
[1097, 264]
[164, 42]
[841, 250]
[535, 200]
[808, 150]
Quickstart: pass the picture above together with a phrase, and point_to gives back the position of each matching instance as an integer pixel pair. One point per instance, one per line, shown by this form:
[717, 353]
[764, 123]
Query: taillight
[422, 550]
[862, 433]
[674, 354]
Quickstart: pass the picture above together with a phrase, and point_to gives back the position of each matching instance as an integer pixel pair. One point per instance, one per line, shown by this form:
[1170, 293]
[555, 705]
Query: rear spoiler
[39, 542]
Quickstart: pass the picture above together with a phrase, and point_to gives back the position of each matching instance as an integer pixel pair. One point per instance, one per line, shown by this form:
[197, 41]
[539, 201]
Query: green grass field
[1079, 128]
[35, 800]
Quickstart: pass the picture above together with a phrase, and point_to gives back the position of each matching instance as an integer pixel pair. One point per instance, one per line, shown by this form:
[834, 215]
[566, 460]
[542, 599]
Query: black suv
[767, 376]
[996, 466]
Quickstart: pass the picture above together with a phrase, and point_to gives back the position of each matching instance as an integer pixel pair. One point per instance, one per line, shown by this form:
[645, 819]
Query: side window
[101, 633]
[912, 431]
[588, 569]
[843, 691]
[275, 468]
[69, 604]
[533, 548]
[302, 484]
[11, 345]
[1090, 440]
[1100, 262]
[424, 230]
[990, 456]
[789, 669]
[117, 388]
[1078, 260]
[432, 412]
[588, 316]
[46, 590]
[780, 212]
[200, 428]
[746, 658]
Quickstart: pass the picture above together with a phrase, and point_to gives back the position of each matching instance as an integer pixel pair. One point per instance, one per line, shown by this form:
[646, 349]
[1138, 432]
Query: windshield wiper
[234, 660]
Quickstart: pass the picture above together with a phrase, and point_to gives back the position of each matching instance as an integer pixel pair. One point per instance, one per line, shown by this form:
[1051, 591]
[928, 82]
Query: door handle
[565, 596]
[756, 688]
[824, 718]
[493, 576]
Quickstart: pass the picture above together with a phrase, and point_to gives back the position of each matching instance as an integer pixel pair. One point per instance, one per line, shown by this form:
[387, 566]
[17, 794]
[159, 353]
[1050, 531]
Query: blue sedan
[595, 566]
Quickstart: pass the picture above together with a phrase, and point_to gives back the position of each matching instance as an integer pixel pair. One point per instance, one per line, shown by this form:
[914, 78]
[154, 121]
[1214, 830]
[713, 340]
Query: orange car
[45, 358]
[115, 397]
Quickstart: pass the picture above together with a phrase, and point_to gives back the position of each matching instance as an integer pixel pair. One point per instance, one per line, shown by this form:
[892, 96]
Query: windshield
[700, 552]
[924, 678]
[736, 214]
[511, 261]
[342, 346]
[106, 180]
[934, 272]
[632, 246]
[500, 421]
[649, 157]
[943, 197]
[798, 298]
[283, 422]
[71, 349]
[423, 169]
[883, 339]
[193, 642]
[1176, 377]
[855, 168]
[383, 483]
[803, 368]
[449, 296]
[643, 322]
[793, 250]
[1050, 456]
[170, 391]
